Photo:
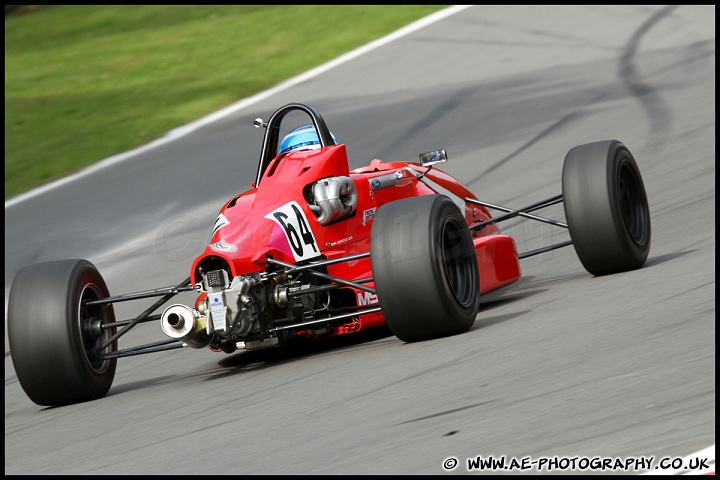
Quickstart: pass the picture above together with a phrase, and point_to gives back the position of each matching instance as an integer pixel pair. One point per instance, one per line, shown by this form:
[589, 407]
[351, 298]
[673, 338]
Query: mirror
[431, 158]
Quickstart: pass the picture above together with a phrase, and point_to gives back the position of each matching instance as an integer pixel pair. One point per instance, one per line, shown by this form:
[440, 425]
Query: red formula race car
[315, 250]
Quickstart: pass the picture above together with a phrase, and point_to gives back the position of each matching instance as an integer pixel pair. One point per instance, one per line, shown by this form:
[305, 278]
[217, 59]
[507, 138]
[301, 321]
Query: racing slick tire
[53, 335]
[606, 207]
[424, 267]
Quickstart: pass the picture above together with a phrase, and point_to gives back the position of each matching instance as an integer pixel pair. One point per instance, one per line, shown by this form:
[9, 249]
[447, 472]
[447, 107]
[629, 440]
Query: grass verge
[83, 83]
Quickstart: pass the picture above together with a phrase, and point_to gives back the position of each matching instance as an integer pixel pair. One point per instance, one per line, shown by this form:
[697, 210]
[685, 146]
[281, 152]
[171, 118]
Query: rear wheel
[53, 334]
[606, 207]
[425, 268]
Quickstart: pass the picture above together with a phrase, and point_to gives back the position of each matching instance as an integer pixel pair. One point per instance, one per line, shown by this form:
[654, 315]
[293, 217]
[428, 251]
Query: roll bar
[272, 133]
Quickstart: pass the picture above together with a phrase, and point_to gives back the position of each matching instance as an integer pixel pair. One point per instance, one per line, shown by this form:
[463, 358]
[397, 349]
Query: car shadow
[302, 348]
[655, 260]
[254, 360]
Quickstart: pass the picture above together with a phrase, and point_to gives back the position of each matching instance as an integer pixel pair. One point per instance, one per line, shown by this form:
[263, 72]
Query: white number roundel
[294, 224]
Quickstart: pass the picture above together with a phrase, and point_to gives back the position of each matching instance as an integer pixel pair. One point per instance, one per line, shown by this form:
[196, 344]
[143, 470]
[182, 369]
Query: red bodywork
[245, 234]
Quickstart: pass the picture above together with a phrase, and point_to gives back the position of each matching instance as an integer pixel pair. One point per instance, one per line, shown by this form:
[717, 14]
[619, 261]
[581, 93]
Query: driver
[305, 138]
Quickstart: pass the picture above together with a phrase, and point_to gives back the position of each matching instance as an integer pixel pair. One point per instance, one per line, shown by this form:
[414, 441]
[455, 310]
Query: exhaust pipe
[186, 324]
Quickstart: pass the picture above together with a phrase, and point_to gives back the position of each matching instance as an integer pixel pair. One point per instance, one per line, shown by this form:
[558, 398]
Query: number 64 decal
[292, 220]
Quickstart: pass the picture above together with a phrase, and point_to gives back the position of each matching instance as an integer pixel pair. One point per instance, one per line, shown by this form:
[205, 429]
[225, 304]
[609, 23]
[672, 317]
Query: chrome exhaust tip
[186, 324]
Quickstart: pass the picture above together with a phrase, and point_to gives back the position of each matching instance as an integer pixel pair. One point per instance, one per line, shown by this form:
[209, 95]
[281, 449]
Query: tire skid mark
[658, 114]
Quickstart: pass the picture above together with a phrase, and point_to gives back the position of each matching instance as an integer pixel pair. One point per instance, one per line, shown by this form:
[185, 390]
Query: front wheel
[54, 334]
[425, 268]
[606, 207]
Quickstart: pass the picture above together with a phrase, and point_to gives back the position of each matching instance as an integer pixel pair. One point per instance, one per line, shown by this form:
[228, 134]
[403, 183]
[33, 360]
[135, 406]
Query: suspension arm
[161, 346]
[324, 276]
[169, 293]
[519, 211]
[326, 320]
[522, 214]
[544, 249]
[183, 287]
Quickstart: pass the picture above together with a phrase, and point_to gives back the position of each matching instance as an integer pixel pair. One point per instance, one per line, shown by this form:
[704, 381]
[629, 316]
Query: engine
[245, 308]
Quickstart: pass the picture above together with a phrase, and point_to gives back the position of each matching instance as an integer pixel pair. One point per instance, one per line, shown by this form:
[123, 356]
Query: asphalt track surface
[560, 364]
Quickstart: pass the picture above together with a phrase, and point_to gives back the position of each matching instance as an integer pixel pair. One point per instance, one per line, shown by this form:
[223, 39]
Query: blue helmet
[305, 137]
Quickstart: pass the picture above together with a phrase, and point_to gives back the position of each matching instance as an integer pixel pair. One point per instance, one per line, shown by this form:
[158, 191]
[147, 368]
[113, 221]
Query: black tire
[52, 337]
[425, 268]
[606, 207]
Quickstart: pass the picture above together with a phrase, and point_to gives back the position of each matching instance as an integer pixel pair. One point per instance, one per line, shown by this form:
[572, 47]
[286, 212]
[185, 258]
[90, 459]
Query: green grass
[83, 83]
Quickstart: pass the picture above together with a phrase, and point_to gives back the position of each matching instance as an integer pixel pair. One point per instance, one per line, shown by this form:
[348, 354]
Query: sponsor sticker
[339, 242]
[368, 215]
[223, 246]
[366, 298]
